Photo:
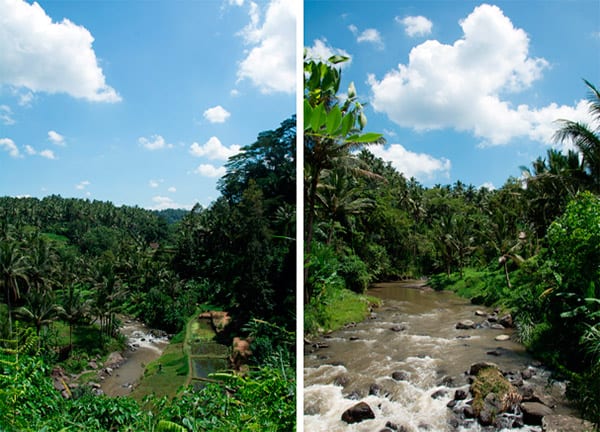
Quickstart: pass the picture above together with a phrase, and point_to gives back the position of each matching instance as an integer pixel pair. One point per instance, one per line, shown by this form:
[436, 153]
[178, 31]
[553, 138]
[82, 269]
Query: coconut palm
[13, 274]
[585, 137]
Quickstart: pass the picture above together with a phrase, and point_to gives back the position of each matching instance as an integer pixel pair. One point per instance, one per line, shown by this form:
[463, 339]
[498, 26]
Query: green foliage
[355, 273]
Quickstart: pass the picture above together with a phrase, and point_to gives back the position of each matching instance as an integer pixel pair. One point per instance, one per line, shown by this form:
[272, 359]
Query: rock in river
[357, 413]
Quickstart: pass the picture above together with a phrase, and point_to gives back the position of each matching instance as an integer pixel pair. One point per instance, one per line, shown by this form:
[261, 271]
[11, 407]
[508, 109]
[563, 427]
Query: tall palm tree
[13, 274]
[40, 309]
[585, 137]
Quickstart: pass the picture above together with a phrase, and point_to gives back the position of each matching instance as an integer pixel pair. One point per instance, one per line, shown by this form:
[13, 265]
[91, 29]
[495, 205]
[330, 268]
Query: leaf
[335, 59]
[347, 122]
[362, 120]
[369, 137]
[318, 117]
[308, 110]
[334, 119]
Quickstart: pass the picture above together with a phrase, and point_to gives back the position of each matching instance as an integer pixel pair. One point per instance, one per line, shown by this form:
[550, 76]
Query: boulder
[480, 313]
[358, 413]
[114, 360]
[533, 412]
[502, 337]
[466, 325]
[398, 328]
[400, 376]
[476, 367]
[439, 394]
[506, 320]
[375, 389]
[240, 353]
[460, 394]
[565, 423]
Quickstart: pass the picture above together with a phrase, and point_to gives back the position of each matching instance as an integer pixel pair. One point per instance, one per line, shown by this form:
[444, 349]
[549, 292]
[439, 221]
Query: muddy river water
[143, 347]
[413, 333]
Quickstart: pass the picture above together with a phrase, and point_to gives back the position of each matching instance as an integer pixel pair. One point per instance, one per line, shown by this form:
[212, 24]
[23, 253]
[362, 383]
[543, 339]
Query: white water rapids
[414, 334]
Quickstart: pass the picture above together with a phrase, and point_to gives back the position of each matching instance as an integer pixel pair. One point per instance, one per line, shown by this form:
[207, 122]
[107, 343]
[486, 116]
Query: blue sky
[138, 102]
[462, 90]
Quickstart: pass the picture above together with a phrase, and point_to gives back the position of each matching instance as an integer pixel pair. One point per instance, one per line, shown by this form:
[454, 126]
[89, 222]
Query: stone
[92, 364]
[375, 389]
[354, 338]
[497, 326]
[502, 337]
[506, 320]
[565, 423]
[533, 412]
[400, 376]
[460, 394]
[480, 313]
[358, 413]
[398, 328]
[439, 394]
[114, 359]
[527, 373]
[465, 325]
[476, 367]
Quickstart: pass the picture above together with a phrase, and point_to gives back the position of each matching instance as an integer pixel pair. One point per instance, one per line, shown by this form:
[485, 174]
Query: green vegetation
[530, 247]
[70, 267]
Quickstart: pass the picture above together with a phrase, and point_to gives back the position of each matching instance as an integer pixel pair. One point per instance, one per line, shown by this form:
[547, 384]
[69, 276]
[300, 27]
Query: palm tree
[41, 309]
[332, 134]
[13, 274]
[585, 137]
[338, 198]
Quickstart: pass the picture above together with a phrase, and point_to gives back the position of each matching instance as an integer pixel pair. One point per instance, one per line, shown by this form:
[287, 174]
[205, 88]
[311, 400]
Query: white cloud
[234, 92]
[368, 35]
[6, 115]
[62, 54]
[48, 154]
[320, 51]
[172, 189]
[9, 145]
[163, 202]
[216, 114]
[153, 183]
[56, 138]
[214, 149]
[82, 185]
[464, 85]
[155, 142]
[271, 63]
[415, 25]
[25, 98]
[488, 186]
[208, 170]
[419, 165]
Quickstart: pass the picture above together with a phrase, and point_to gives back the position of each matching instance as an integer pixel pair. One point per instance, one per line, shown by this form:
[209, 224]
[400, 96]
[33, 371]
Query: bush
[355, 273]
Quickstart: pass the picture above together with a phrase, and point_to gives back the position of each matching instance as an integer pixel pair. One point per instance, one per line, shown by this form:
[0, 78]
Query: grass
[335, 309]
[165, 375]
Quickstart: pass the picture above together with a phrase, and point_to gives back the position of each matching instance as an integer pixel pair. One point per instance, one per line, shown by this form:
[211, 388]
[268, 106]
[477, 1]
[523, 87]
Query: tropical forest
[529, 250]
[210, 293]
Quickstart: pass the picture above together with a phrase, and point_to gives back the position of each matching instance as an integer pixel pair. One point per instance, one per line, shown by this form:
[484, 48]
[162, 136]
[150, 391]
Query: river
[413, 333]
[142, 348]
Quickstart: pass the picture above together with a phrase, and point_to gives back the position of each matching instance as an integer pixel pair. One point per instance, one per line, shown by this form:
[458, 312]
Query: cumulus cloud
[321, 51]
[153, 183]
[214, 149]
[9, 146]
[172, 189]
[368, 35]
[155, 142]
[208, 170]
[6, 115]
[43, 56]
[82, 185]
[163, 202]
[415, 25]
[48, 154]
[418, 165]
[464, 85]
[488, 186]
[216, 114]
[56, 138]
[271, 62]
